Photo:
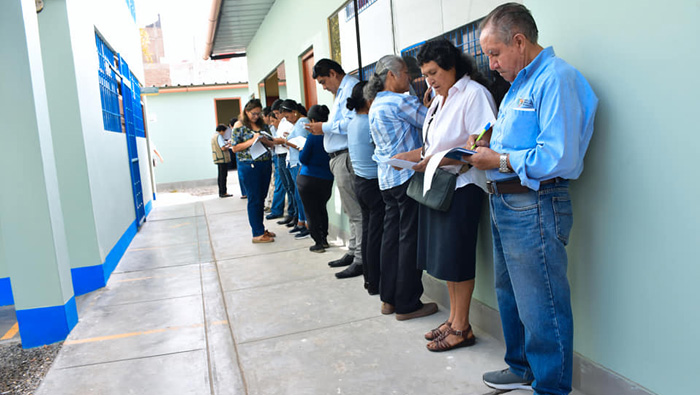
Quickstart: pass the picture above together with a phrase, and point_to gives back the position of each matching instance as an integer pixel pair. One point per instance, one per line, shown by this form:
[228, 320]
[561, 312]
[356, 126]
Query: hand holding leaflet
[257, 149]
[400, 163]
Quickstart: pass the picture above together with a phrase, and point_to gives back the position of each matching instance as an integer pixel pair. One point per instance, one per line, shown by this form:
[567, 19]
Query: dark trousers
[372, 205]
[256, 176]
[400, 282]
[223, 174]
[314, 193]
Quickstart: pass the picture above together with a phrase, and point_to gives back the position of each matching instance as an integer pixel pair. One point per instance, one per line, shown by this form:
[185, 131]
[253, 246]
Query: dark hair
[319, 113]
[357, 101]
[221, 128]
[509, 19]
[288, 105]
[252, 104]
[266, 111]
[276, 105]
[233, 121]
[447, 56]
[301, 109]
[323, 68]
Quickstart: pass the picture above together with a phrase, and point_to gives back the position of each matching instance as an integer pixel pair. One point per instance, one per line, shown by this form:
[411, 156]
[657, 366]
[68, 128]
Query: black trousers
[400, 281]
[370, 198]
[314, 193]
[223, 174]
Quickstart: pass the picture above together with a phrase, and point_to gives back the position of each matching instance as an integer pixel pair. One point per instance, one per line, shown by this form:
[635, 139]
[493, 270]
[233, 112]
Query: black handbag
[439, 197]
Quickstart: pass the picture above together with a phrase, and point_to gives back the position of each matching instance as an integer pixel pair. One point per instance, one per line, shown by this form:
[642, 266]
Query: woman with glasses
[256, 170]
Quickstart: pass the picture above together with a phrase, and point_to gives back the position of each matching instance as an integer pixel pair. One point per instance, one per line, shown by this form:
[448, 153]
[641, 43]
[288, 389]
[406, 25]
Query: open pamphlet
[257, 149]
[299, 141]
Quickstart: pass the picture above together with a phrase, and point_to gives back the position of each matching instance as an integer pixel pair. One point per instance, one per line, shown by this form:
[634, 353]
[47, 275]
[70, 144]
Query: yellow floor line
[11, 333]
[139, 333]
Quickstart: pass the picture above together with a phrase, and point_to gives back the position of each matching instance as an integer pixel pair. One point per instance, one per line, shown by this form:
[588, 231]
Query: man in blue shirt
[544, 125]
[335, 141]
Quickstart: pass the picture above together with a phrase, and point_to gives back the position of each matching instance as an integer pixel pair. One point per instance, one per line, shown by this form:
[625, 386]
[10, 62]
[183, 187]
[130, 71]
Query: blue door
[132, 104]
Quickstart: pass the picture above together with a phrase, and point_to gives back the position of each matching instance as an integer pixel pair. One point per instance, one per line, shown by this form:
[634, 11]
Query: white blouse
[468, 108]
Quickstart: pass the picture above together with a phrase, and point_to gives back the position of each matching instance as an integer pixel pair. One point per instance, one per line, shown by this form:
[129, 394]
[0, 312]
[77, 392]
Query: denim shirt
[545, 122]
[335, 130]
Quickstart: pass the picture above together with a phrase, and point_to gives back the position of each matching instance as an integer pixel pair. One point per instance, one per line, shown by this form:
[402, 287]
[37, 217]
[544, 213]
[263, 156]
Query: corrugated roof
[237, 23]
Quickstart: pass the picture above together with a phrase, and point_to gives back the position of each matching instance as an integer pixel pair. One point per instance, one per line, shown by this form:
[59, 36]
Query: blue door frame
[132, 103]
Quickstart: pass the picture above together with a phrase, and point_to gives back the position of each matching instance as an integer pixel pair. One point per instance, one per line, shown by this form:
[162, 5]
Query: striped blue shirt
[545, 122]
[335, 131]
[395, 122]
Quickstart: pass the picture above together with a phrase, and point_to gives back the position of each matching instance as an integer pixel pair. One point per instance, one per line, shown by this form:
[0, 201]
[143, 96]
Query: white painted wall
[375, 35]
[106, 152]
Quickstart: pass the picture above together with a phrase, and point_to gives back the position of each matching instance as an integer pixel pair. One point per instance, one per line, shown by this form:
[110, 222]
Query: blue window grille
[130, 4]
[137, 107]
[109, 87]
[466, 39]
[361, 6]
[367, 71]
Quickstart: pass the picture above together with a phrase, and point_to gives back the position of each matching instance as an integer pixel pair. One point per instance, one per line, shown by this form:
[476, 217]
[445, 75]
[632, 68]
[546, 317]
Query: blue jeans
[256, 176]
[279, 192]
[288, 185]
[530, 231]
[301, 216]
[241, 176]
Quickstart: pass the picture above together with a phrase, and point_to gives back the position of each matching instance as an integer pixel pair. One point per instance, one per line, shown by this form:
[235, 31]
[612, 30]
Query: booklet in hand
[458, 152]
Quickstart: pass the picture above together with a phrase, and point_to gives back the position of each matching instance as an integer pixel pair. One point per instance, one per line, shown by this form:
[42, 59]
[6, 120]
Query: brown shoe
[263, 239]
[387, 308]
[427, 309]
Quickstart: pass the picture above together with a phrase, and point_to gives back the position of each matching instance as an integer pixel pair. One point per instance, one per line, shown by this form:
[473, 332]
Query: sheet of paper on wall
[299, 141]
[257, 149]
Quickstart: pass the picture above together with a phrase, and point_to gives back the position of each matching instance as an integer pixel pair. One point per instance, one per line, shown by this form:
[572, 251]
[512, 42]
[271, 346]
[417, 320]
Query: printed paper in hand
[257, 149]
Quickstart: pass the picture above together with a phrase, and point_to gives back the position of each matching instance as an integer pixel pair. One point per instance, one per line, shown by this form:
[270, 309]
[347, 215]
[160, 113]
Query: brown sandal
[435, 333]
[269, 234]
[263, 239]
[442, 345]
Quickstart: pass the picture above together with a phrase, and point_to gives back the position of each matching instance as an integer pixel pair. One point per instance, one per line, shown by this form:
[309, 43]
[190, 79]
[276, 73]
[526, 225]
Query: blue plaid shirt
[395, 123]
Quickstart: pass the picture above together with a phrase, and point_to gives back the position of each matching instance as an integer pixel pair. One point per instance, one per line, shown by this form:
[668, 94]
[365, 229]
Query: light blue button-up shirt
[335, 130]
[299, 130]
[361, 147]
[395, 122]
[545, 122]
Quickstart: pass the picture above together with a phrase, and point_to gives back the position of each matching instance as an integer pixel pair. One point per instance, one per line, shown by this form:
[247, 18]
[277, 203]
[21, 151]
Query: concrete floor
[195, 308]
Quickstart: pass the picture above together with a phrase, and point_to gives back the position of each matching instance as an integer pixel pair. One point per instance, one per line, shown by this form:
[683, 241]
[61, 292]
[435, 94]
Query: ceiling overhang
[233, 24]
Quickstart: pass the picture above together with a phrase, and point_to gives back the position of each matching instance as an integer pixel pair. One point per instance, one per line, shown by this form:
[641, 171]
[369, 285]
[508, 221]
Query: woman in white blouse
[462, 107]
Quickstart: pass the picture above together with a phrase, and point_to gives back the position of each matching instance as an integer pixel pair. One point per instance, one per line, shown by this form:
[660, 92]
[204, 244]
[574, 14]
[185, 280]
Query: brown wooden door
[307, 64]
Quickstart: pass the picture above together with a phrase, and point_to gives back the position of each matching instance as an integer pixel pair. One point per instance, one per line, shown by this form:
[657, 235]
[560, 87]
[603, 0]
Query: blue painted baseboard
[89, 278]
[46, 325]
[6, 297]
[149, 206]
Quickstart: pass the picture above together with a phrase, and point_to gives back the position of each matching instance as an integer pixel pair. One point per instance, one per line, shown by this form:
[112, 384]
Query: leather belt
[513, 186]
[336, 153]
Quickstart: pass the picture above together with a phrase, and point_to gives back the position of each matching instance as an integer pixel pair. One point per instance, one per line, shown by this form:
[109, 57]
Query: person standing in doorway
[222, 157]
[332, 78]
[540, 138]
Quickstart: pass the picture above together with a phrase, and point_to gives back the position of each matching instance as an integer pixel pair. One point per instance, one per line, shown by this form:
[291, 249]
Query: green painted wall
[634, 268]
[181, 125]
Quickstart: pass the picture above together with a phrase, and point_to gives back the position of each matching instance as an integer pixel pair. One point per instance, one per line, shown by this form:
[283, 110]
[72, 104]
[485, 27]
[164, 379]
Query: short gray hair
[377, 81]
[509, 19]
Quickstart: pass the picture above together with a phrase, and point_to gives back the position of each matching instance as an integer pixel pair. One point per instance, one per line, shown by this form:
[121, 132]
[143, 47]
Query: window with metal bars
[109, 86]
[367, 71]
[110, 91]
[361, 6]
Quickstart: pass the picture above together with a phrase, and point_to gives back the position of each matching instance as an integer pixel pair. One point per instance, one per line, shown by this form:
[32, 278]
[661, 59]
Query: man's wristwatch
[503, 164]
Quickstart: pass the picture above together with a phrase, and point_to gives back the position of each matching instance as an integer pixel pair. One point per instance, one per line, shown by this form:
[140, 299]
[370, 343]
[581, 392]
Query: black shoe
[273, 216]
[371, 288]
[325, 244]
[226, 195]
[291, 223]
[296, 229]
[344, 261]
[286, 220]
[351, 271]
[317, 248]
[303, 234]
